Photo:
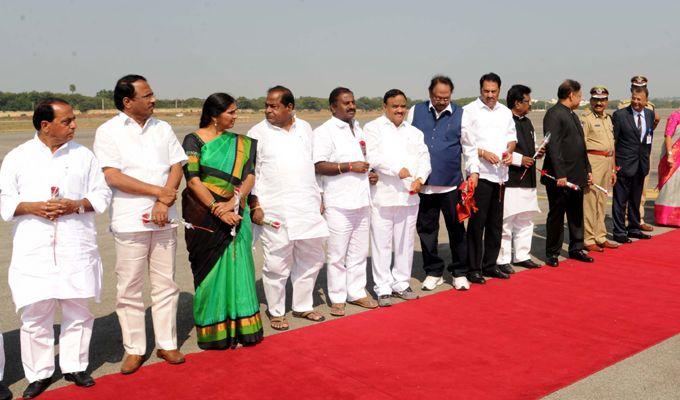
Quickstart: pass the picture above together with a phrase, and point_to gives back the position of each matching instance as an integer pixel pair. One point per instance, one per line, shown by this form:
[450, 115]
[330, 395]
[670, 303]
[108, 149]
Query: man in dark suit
[633, 129]
[567, 160]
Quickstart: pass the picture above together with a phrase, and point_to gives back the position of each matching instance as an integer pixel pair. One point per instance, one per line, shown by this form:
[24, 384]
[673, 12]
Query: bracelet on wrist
[212, 205]
[339, 170]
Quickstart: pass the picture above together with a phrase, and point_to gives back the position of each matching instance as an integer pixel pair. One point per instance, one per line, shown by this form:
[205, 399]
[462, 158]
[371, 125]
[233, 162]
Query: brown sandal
[309, 315]
[338, 309]
[279, 323]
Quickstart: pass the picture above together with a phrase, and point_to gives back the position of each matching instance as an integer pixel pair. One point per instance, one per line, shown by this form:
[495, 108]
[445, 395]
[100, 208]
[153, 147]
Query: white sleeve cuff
[517, 159]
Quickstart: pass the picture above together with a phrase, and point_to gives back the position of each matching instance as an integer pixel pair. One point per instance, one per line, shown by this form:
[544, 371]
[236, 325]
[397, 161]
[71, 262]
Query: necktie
[639, 125]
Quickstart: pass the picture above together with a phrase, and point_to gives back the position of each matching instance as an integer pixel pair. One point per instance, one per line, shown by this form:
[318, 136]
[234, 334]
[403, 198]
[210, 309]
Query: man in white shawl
[51, 187]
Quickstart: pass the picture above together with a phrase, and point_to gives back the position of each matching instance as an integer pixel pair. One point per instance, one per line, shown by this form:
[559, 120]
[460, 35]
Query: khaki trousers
[134, 251]
[37, 337]
[594, 201]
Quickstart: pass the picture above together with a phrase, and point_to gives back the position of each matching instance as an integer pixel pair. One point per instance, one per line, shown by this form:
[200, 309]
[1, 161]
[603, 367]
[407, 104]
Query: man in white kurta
[339, 159]
[287, 192]
[50, 188]
[397, 151]
[142, 161]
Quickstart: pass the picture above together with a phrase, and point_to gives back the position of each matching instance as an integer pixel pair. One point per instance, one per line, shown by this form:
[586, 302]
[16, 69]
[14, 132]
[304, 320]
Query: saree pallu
[226, 308]
[667, 205]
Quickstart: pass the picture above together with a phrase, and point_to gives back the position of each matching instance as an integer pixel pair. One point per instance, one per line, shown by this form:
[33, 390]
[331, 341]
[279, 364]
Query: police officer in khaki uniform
[641, 81]
[599, 135]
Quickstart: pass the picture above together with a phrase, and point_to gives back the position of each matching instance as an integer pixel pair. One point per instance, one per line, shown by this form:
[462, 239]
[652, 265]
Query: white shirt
[389, 149]
[334, 142]
[144, 153]
[437, 114]
[27, 175]
[491, 130]
[285, 184]
[643, 121]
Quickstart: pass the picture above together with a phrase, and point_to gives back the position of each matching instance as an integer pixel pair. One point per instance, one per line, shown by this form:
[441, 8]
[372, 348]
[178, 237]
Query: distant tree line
[26, 101]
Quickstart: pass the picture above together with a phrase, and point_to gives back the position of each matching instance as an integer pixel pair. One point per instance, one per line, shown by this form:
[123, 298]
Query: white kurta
[389, 149]
[27, 174]
[285, 183]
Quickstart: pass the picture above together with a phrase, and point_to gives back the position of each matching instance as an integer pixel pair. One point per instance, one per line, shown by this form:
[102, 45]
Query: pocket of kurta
[75, 183]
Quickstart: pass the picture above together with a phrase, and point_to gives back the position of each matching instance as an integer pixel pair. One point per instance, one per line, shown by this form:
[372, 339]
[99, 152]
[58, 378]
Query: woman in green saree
[226, 308]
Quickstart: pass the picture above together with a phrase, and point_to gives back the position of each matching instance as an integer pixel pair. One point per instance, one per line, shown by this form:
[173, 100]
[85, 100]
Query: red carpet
[517, 339]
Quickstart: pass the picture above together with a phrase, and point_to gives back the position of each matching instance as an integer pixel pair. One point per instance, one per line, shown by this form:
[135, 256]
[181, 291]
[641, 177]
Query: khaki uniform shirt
[598, 131]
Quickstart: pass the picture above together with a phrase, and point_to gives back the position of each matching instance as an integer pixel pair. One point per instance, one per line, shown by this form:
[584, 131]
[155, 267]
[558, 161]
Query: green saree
[226, 309]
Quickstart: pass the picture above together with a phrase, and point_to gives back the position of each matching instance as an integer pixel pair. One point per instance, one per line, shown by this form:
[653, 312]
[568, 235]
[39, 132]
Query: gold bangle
[339, 170]
[254, 208]
[211, 206]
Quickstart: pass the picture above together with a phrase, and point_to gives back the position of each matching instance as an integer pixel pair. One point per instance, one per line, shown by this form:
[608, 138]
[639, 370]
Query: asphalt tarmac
[651, 374]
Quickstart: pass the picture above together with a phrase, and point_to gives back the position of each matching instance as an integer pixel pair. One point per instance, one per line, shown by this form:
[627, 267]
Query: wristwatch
[81, 208]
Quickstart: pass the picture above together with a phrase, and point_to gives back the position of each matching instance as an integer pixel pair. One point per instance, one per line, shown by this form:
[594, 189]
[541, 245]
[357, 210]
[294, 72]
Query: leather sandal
[309, 315]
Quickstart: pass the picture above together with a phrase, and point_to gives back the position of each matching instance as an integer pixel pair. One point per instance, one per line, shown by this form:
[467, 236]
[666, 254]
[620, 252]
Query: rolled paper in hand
[408, 182]
[54, 193]
[237, 201]
[600, 188]
[543, 144]
[272, 223]
[177, 221]
[569, 184]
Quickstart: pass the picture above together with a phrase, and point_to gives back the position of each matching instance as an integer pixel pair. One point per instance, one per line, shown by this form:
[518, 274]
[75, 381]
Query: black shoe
[622, 239]
[552, 261]
[476, 277]
[80, 378]
[495, 272]
[639, 235]
[580, 255]
[5, 394]
[35, 388]
[527, 264]
[507, 268]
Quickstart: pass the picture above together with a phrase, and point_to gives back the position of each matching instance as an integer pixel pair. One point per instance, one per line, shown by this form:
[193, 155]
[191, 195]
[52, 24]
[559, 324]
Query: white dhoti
[37, 337]
[519, 207]
[392, 229]
[300, 259]
[347, 251]
[134, 251]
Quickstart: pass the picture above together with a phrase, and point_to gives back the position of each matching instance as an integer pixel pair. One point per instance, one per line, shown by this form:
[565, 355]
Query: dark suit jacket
[565, 154]
[632, 155]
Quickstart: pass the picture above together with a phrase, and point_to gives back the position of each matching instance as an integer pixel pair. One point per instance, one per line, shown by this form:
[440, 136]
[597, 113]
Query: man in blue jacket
[440, 122]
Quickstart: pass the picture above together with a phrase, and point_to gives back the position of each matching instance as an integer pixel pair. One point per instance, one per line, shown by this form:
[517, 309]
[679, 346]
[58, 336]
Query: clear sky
[194, 48]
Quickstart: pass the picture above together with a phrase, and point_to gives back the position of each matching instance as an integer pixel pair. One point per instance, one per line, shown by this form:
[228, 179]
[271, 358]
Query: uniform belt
[601, 153]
